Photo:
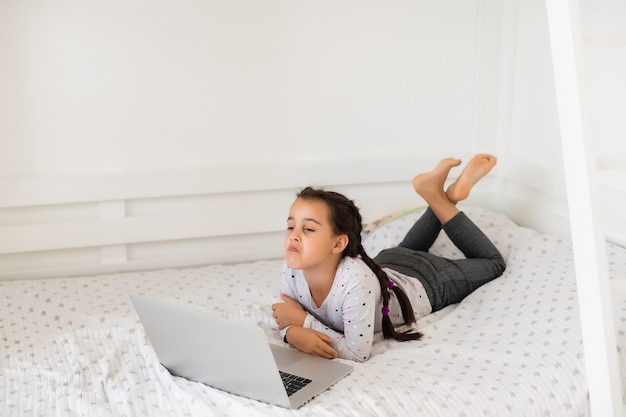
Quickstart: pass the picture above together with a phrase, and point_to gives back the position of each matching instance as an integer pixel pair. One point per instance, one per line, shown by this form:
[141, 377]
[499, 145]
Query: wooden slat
[225, 178]
[106, 232]
[592, 278]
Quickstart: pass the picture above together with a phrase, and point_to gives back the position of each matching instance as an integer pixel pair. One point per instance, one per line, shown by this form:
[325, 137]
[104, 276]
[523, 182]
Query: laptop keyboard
[292, 382]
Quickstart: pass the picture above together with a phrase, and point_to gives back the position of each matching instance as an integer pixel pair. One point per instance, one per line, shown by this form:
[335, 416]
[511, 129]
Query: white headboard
[81, 225]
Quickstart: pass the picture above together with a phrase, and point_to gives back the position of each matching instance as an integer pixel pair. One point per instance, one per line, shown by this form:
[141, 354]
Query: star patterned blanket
[75, 346]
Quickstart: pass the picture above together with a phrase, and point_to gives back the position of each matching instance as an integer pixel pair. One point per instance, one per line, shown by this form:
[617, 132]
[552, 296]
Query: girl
[335, 297]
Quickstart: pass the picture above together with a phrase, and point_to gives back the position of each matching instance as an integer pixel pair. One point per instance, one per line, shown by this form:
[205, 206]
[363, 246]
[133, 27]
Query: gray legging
[446, 281]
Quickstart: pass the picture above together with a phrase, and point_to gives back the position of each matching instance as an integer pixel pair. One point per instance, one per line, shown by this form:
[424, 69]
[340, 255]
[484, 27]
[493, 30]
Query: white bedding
[75, 347]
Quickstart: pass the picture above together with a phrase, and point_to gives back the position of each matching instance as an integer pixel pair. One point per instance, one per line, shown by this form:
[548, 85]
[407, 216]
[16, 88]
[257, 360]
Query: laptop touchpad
[284, 357]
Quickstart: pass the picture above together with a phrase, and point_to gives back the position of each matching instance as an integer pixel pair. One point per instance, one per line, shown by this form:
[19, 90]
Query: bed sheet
[75, 346]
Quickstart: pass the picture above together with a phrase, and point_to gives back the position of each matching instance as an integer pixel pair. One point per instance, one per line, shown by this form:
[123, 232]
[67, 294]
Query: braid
[386, 286]
[346, 219]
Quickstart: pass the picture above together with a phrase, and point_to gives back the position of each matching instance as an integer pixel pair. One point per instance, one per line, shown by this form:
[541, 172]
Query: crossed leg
[430, 185]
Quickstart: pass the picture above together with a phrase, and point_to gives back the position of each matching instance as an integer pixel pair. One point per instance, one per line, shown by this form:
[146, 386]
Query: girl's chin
[291, 263]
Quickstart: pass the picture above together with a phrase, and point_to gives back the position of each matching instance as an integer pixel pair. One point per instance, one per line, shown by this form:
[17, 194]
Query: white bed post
[589, 244]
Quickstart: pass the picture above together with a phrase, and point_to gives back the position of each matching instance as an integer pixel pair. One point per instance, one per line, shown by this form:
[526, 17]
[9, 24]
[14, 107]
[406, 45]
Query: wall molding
[132, 221]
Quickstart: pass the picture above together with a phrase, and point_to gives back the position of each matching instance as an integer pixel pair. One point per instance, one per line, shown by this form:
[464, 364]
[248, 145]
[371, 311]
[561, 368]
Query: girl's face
[310, 241]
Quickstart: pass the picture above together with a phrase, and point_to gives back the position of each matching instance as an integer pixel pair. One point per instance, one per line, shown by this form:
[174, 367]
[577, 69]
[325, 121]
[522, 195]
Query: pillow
[388, 231]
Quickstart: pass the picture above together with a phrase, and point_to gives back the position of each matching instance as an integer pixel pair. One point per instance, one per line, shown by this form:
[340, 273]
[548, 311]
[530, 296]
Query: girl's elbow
[359, 357]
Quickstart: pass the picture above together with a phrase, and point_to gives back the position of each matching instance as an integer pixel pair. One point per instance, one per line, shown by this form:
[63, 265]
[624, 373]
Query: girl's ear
[340, 243]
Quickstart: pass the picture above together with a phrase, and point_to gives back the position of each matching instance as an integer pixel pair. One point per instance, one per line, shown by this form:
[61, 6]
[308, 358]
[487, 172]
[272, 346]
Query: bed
[75, 347]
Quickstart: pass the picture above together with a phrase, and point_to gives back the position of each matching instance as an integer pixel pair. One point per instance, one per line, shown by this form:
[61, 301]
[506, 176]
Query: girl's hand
[289, 313]
[311, 341]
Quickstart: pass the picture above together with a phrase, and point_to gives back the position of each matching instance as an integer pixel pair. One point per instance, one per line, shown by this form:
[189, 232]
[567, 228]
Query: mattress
[75, 347]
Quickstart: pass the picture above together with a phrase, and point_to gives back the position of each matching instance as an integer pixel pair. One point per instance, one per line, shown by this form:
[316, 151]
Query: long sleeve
[348, 314]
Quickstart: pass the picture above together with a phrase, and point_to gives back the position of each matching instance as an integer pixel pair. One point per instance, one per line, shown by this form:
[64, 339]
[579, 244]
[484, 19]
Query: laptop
[232, 356]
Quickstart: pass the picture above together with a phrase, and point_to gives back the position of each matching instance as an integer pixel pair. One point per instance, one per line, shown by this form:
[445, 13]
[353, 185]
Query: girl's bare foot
[476, 168]
[432, 182]
[430, 187]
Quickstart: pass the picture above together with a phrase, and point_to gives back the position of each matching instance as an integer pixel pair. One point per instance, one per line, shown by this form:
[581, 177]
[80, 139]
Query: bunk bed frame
[592, 277]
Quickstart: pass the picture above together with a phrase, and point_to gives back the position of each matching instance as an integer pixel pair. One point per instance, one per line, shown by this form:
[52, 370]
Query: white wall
[144, 135]
[531, 188]
[605, 41]
[532, 185]
[117, 86]
[141, 134]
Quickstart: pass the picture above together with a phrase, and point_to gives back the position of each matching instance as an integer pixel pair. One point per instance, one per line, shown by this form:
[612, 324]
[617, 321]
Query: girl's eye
[289, 227]
[307, 229]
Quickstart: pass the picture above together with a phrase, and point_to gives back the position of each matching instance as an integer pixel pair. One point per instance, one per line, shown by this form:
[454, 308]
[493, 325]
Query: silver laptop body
[231, 356]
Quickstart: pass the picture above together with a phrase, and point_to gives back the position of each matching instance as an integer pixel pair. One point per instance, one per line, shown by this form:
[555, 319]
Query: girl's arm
[355, 342]
[353, 310]
[288, 313]
[311, 341]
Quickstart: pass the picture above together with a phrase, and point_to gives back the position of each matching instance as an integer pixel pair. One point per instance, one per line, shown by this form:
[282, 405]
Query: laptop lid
[231, 356]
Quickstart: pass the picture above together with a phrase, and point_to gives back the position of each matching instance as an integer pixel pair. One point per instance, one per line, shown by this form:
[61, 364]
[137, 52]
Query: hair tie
[390, 284]
[385, 310]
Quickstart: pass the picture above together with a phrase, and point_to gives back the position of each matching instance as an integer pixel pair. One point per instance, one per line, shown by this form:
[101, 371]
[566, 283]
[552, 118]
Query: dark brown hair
[346, 220]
